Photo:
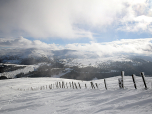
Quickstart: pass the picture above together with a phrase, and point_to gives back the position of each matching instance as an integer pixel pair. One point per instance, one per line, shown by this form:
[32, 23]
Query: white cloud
[25, 43]
[86, 52]
[38, 18]
[71, 18]
[127, 46]
[138, 17]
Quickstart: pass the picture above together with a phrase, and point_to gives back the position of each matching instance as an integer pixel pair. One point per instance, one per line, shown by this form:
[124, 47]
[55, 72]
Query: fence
[122, 82]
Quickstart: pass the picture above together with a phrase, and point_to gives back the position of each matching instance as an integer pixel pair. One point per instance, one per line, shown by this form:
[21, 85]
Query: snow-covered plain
[33, 96]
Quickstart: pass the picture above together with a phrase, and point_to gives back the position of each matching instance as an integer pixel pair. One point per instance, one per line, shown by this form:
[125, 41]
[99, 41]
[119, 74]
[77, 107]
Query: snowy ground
[25, 70]
[33, 96]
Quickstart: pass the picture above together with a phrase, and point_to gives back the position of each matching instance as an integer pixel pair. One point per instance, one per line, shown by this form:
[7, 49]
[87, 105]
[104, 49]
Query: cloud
[124, 46]
[72, 19]
[138, 17]
[25, 43]
[83, 53]
[40, 19]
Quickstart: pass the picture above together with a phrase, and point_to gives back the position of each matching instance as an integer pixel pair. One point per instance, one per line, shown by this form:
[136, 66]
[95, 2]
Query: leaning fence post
[105, 84]
[143, 77]
[92, 85]
[60, 85]
[79, 85]
[75, 85]
[66, 84]
[122, 75]
[134, 81]
[96, 85]
[63, 86]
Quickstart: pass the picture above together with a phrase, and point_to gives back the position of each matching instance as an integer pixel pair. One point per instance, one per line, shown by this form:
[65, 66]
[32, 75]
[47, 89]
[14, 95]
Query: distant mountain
[84, 65]
[66, 56]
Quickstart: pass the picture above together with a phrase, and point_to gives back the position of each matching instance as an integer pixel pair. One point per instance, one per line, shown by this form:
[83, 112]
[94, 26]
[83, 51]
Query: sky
[124, 25]
[76, 21]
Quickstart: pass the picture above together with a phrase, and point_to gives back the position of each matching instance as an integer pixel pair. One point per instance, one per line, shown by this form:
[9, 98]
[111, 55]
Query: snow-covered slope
[27, 69]
[33, 96]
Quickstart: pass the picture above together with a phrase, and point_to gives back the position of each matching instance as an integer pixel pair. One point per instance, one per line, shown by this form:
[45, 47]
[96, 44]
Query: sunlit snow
[33, 96]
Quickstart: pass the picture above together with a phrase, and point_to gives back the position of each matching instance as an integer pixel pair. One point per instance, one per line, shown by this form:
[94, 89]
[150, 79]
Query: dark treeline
[8, 68]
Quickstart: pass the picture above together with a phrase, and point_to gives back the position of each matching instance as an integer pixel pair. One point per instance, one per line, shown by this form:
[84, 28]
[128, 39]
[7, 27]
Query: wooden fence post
[122, 75]
[105, 84]
[75, 85]
[57, 85]
[92, 85]
[79, 85]
[50, 86]
[143, 77]
[63, 86]
[60, 85]
[96, 85]
[66, 84]
[85, 86]
[134, 81]
[70, 84]
[120, 83]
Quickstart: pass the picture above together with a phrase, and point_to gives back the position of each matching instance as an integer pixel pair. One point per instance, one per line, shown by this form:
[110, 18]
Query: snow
[33, 96]
[95, 78]
[66, 70]
[25, 70]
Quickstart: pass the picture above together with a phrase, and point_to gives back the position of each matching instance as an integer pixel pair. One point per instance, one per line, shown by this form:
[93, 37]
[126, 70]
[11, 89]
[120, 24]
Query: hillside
[84, 65]
[33, 96]
[59, 69]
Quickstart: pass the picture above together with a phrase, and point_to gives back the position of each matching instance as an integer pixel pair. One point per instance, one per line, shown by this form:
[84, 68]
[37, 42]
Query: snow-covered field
[25, 70]
[33, 96]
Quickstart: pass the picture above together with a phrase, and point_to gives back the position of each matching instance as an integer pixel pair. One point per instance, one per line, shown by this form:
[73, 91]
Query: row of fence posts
[65, 85]
[62, 84]
[121, 80]
[73, 85]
